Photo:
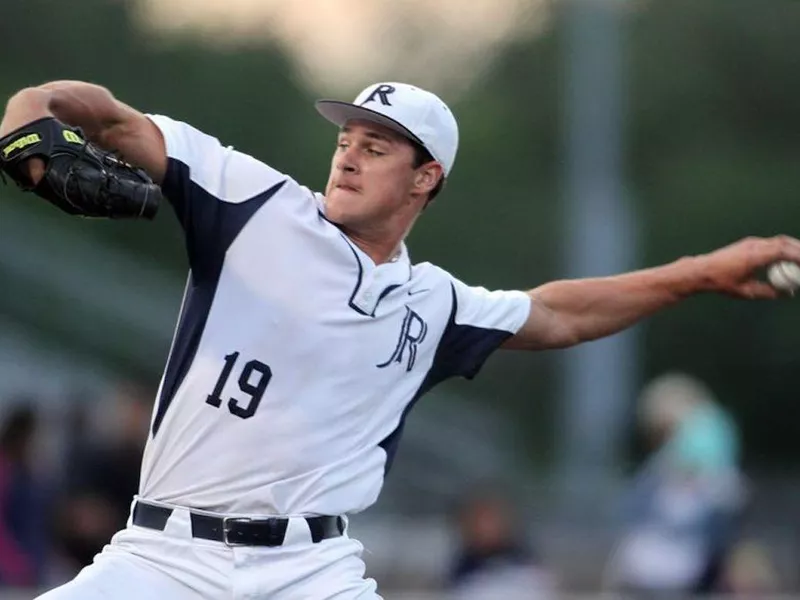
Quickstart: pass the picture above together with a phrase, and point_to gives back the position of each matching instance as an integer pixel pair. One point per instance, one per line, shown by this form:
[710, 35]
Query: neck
[380, 249]
[381, 240]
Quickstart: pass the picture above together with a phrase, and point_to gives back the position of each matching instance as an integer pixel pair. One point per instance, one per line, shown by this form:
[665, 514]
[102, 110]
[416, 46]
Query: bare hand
[735, 269]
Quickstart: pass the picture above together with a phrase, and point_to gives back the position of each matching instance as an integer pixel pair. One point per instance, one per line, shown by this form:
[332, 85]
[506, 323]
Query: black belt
[237, 531]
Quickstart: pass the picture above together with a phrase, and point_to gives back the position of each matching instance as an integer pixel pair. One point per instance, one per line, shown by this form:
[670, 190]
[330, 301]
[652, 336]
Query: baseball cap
[411, 111]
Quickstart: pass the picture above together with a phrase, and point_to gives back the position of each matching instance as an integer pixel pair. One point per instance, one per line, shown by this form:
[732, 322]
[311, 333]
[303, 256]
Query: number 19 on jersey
[253, 381]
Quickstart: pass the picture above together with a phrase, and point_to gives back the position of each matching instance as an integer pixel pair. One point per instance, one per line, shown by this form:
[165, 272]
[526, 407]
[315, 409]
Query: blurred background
[597, 136]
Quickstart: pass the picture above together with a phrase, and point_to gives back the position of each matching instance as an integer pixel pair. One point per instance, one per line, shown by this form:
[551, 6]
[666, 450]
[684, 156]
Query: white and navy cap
[413, 112]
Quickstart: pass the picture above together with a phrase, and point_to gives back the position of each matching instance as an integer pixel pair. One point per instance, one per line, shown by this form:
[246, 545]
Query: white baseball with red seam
[784, 276]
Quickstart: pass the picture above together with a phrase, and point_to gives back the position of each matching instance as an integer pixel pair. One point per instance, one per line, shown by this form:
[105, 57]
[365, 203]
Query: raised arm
[569, 312]
[106, 121]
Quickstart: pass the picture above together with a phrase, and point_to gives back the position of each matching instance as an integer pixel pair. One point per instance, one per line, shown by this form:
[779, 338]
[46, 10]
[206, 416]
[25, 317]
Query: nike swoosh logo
[415, 292]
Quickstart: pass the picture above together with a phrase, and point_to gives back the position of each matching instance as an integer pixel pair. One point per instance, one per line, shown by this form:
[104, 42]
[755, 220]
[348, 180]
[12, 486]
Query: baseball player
[306, 333]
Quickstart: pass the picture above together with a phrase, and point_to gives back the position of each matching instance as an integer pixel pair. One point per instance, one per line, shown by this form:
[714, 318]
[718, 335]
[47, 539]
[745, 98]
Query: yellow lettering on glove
[21, 143]
[72, 137]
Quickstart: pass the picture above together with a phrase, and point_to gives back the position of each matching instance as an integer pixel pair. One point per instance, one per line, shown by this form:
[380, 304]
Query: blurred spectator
[103, 474]
[23, 512]
[684, 506]
[494, 560]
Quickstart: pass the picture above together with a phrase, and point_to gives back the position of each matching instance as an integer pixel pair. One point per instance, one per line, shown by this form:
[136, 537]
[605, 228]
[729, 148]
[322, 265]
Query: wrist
[690, 276]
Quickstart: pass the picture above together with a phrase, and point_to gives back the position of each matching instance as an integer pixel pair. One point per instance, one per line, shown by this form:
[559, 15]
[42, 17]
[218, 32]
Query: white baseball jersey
[295, 359]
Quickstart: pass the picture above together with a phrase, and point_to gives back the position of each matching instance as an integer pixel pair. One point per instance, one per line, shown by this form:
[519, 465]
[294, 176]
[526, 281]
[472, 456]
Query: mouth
[348, 188]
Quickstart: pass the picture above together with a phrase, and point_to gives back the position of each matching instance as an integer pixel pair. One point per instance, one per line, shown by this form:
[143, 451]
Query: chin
[336, 213]
[334, 216]
[340, 208]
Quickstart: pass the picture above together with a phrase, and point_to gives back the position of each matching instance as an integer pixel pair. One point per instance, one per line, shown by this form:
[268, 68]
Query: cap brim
[339, 113]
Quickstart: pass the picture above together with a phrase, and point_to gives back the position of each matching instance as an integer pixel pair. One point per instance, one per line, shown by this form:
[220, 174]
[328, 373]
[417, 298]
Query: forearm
[106, 122]
[588, 309]
[84, 105]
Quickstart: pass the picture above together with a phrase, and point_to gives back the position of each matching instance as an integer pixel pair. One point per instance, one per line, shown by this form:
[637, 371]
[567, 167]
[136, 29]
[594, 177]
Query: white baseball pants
[143, 564]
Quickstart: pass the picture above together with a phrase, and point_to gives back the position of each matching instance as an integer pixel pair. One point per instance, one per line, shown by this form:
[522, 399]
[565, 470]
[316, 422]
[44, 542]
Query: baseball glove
[79, 178]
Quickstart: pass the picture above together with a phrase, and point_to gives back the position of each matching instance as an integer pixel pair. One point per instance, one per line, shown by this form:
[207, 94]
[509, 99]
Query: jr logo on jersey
[412, 333]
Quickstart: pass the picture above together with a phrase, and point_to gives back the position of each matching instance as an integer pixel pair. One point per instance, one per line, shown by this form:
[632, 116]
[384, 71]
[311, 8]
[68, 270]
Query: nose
[347, 161]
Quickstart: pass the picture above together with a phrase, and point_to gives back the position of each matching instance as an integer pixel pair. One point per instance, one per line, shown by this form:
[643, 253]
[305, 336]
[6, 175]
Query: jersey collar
[375, 282]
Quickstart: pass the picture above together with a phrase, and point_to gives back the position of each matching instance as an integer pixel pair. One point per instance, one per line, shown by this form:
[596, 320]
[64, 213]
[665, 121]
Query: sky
[340, 46]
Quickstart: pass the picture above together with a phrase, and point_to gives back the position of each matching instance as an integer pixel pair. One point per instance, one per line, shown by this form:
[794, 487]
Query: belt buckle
[226, 529]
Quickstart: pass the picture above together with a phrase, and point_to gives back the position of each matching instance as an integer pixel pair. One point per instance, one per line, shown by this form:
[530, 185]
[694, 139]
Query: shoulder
[432, 283]
[430, 274]
[479, 320]
[433, 274]
[479, 305]
[203, 161]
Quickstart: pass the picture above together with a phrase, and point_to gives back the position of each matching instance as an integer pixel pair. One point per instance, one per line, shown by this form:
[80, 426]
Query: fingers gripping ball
[784, 276]
[79, 178]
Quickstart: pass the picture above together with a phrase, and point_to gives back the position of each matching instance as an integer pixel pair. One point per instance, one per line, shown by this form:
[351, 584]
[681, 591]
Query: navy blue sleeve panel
[204, 182]
[211, 226]
[464, 348]
[177, 187]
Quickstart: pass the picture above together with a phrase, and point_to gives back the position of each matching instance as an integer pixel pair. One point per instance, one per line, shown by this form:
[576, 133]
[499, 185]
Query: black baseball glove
[79, 178]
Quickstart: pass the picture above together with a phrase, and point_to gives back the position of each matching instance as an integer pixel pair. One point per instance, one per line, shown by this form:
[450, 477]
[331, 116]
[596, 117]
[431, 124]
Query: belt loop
[317, 530]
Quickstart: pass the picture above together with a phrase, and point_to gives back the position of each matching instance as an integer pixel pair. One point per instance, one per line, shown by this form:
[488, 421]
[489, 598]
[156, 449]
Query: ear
[427, 177]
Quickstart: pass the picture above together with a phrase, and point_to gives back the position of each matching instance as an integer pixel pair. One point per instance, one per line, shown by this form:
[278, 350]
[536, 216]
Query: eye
[341, 145]
[374, 152]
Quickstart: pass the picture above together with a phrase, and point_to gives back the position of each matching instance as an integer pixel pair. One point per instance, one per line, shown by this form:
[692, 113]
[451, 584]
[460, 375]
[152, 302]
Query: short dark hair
[422, 156]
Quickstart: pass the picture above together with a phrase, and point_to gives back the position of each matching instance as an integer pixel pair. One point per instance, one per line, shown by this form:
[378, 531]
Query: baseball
[784, 276]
